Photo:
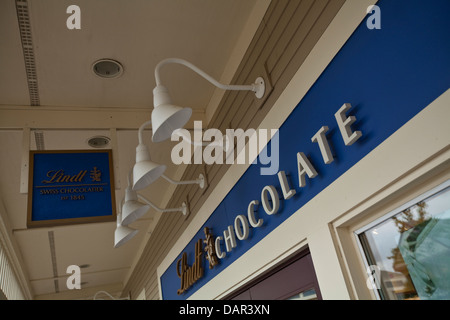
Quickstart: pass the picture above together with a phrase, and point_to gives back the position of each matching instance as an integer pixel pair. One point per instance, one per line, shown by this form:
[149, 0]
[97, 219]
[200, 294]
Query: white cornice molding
[60, 117]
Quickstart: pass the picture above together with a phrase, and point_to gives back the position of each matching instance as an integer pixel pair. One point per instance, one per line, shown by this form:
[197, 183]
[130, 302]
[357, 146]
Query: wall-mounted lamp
[123, 233]
[145, 171]
[183, 209]
[167, 117]
[132, 209]
[201, 181]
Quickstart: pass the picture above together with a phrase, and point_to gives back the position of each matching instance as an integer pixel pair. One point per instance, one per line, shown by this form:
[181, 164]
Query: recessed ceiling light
[107, 68]
[98, 141]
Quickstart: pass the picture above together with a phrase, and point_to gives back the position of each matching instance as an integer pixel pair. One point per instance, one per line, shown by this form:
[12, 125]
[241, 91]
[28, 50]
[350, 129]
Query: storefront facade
[358, 203]
[341, 189]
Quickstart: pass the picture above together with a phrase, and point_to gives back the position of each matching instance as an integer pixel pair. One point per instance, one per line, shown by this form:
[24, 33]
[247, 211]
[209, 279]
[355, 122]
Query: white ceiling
[138, 33]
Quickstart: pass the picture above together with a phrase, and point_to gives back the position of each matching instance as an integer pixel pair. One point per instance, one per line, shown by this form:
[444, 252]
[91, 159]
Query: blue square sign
[67, 187]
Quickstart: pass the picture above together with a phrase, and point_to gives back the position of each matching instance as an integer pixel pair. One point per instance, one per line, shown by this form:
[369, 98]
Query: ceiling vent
[28, 52]
[98, 142]
[39, 139]
[107, 68]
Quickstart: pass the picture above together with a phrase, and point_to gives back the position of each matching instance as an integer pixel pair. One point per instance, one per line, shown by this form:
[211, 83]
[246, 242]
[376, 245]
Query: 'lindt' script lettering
[190, 275]
[59, 176]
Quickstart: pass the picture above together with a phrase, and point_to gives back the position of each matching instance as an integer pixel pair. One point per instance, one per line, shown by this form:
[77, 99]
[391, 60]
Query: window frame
[356, 233]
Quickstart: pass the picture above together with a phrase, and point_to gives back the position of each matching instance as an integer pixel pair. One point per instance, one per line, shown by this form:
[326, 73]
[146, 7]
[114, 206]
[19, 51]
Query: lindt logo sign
[249, 219]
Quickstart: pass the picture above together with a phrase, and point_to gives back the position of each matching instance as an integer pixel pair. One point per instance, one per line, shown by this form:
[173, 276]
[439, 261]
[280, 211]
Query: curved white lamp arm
[141, 130]
[184, 207]
[200, 181]
[106, 293]
[167, 117]
[258, 87]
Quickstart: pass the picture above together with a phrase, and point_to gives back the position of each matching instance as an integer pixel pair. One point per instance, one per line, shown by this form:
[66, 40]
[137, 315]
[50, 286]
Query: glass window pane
[309, 294]
[411, 250]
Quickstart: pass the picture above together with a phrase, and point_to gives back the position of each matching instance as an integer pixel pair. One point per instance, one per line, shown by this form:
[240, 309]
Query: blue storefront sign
[70, 187]
[382, 78]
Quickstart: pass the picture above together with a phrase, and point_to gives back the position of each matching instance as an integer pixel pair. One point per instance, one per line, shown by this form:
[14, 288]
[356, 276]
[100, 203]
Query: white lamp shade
[122, 235]
[145, 171]
[167, 118]
[133, 210]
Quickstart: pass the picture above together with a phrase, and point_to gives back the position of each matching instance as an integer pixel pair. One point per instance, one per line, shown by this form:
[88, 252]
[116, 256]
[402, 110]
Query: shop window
[294, 279]
[305, 295]
[408, 251]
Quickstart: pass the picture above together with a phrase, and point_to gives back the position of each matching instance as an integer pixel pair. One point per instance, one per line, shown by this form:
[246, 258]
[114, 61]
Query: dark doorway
[294, 279]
